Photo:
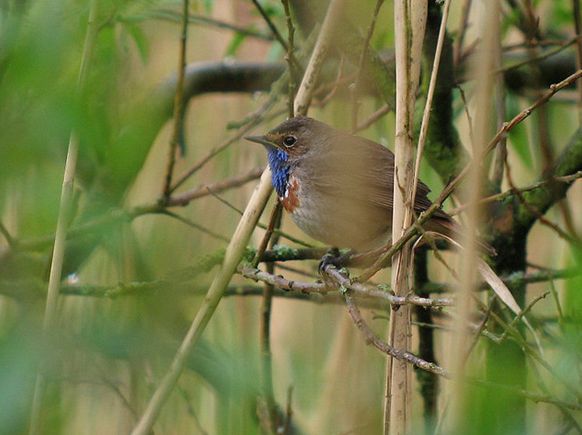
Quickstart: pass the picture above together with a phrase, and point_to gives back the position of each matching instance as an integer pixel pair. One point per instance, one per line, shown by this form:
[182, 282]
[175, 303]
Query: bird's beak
[260, 139]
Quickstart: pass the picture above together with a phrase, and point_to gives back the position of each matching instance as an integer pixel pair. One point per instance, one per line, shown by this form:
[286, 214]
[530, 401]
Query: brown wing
[362, 170]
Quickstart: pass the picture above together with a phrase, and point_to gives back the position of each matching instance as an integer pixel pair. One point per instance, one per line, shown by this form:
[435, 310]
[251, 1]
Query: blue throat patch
[280, 168]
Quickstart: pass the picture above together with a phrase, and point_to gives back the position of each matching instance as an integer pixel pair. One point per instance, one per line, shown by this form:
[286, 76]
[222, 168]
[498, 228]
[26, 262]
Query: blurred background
[136, 269]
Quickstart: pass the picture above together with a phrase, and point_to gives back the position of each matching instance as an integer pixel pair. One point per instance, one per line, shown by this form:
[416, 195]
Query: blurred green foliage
[107, 355]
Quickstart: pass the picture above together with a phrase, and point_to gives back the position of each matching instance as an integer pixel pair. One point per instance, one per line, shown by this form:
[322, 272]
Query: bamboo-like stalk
[486, 62]
[409, 27]
[239, 239]
[65, 206]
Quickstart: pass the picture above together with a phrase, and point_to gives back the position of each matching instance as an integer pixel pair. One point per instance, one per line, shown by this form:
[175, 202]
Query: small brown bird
[338, 187]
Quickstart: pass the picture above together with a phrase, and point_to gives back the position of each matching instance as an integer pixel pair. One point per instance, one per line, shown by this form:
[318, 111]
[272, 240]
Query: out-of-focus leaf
[234, 44]
[273, 9]
[573, 300]
[208, 5]
[140, 39]
[561, 13]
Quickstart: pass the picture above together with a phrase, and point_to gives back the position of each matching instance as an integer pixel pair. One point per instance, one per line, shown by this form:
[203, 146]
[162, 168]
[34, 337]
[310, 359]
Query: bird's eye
[289, 141]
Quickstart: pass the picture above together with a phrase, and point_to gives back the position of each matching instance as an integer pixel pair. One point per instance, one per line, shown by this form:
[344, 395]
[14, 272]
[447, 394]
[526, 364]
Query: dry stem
[409, 26]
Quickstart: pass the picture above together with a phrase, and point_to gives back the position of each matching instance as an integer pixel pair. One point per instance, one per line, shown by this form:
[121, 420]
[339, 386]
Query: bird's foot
[333, 257]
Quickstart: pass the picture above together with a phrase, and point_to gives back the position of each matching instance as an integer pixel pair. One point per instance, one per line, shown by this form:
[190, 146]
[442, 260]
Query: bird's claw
[333, 258]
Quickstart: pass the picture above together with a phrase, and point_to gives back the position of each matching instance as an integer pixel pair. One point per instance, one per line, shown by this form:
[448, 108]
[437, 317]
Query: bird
[338, 187]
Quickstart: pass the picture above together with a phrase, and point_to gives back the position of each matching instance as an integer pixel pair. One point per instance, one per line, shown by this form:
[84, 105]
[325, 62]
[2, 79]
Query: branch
[500, 197]
[364, 291]
[546, 194]
[371, 338]
[185, 198]
[178, 105]
[172, 16]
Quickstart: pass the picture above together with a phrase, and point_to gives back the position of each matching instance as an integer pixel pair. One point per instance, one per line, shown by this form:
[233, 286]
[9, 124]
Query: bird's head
[294, 137]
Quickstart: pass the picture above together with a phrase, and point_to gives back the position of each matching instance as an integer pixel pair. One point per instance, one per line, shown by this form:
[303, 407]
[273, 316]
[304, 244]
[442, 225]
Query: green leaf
[208, 5]
[234, 44]
[518, 135]
[139, 38]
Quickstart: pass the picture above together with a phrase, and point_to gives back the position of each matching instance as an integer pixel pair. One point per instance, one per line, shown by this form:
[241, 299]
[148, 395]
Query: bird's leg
[332, 257]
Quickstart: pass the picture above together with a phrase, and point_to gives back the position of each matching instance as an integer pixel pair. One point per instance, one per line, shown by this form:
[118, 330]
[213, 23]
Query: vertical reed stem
[63, 219]
[409, 27]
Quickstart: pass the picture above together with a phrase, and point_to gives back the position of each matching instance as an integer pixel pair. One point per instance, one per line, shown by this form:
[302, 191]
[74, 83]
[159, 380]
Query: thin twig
[538, 214]
[526, 310]
[265, 324]
[468, 115]
[363, 57]
[275, 213]
[535, 43]
[4, 231]
[386, 108]
[178, 105]
[172, 16]
[288, 45]
[534, 397]
[271, 25]
[217, 150]
[195, 225]
[290, 57]
[501, 151]
[181, 280]
[535, 59]
[429, 96]
[382, 346]
[556, 298]
[185, 198]
[458, 49]
[568, 179]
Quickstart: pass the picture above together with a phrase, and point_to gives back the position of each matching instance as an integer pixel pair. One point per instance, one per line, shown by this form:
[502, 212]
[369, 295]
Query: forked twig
[178, 105]
[369, 335]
